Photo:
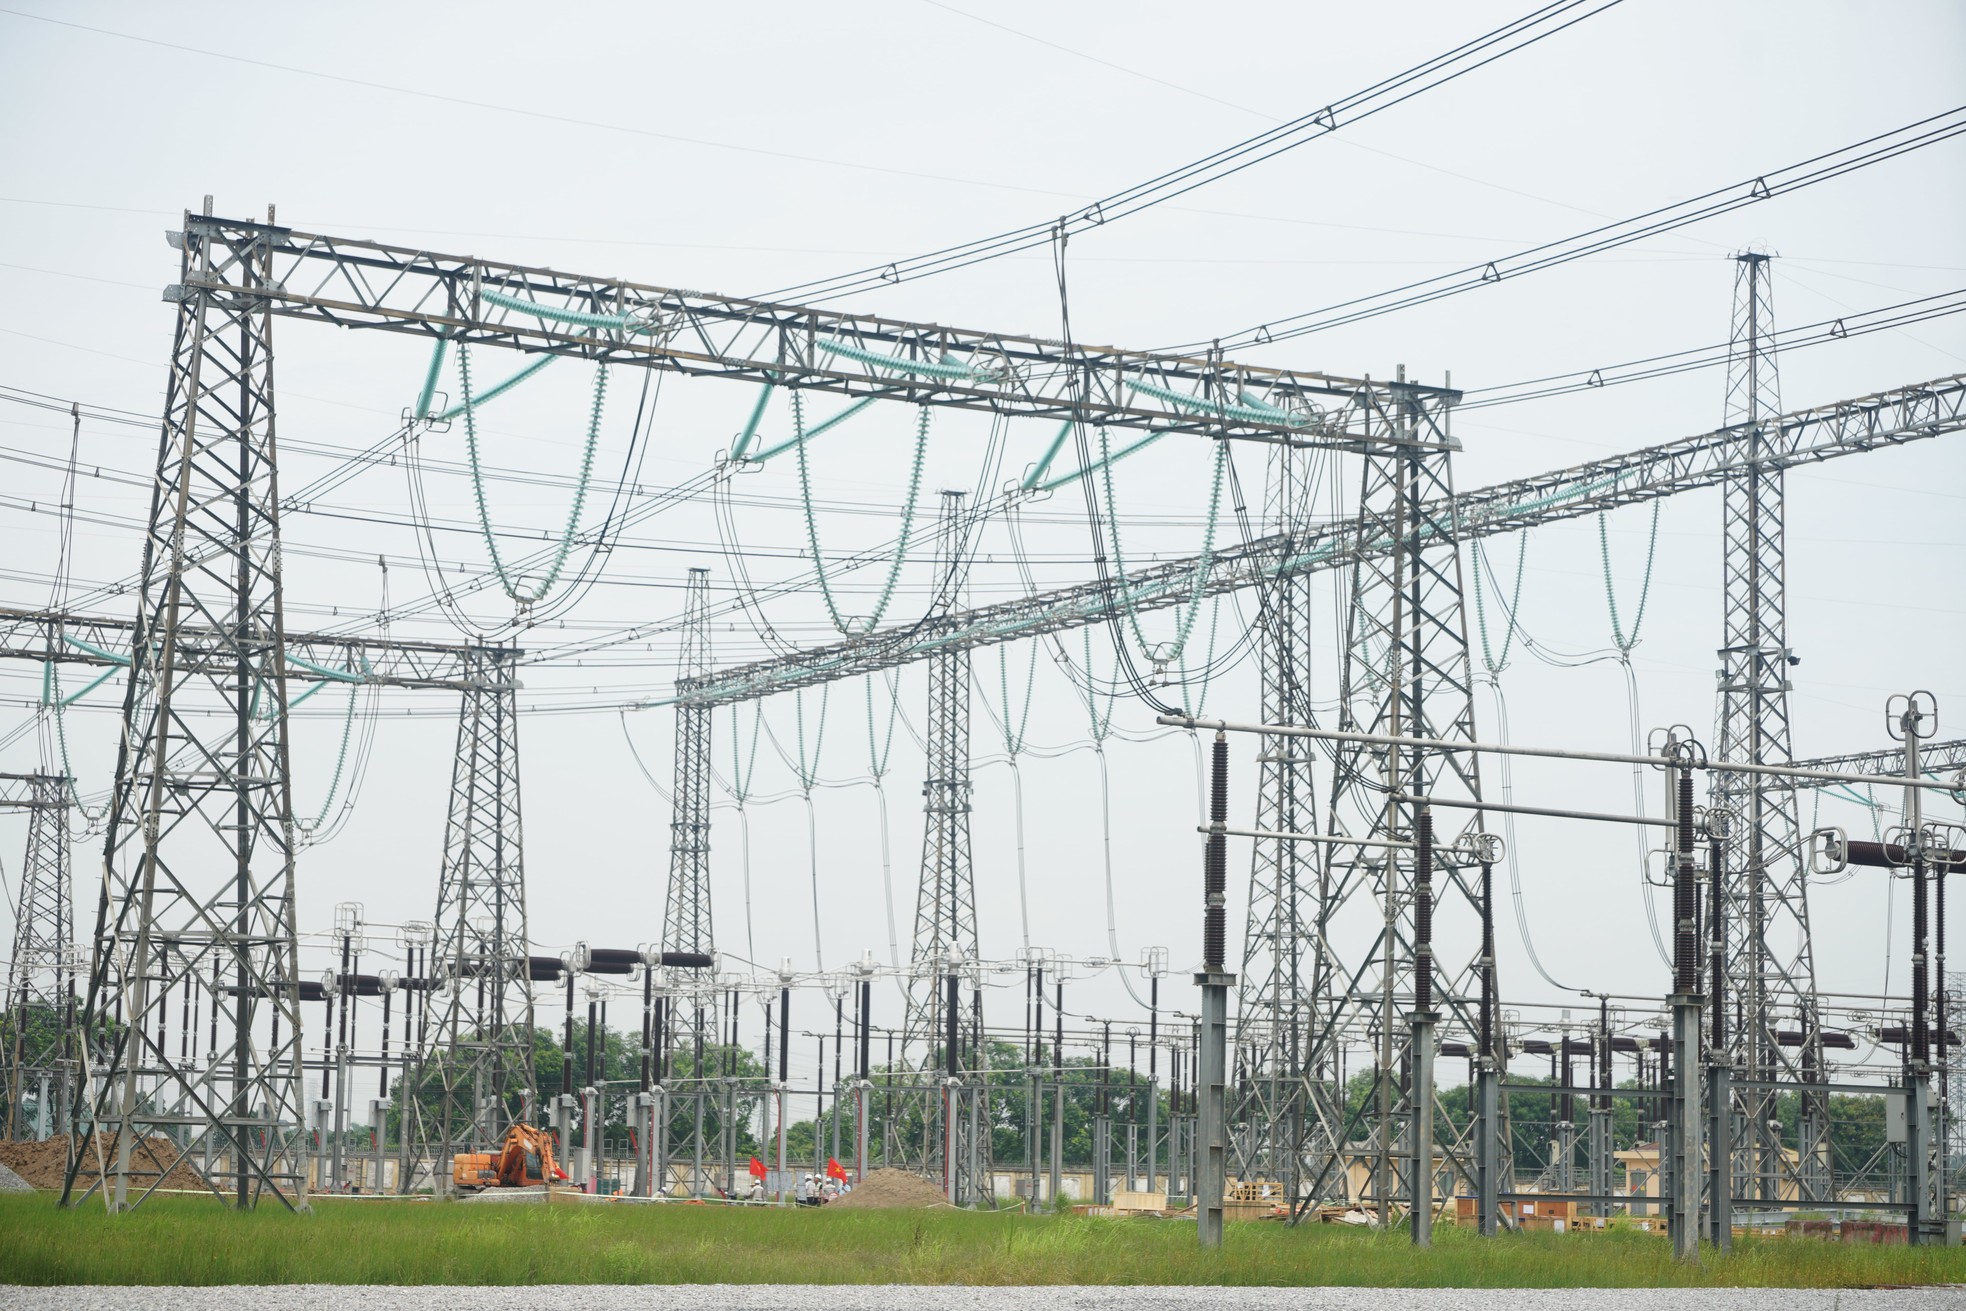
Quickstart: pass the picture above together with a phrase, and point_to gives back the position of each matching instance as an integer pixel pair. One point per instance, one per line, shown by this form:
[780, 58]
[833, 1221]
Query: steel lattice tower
[686, 923]
[1269, 1134]
[945, 940]
[1405, 673]
[198, 864]
[1771, 971]
[479, 1071]
[686, 915]
[41, 984]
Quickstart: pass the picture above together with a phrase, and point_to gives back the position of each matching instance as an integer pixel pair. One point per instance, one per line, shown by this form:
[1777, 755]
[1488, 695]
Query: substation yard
[1078, 815]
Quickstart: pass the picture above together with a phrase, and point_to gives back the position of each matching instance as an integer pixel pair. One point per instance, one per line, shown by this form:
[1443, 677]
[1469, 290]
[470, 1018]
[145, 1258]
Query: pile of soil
[44, 1164]
[889, 1188]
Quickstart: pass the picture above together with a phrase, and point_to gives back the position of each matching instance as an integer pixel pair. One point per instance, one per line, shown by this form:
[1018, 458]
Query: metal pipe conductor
[1555, 753]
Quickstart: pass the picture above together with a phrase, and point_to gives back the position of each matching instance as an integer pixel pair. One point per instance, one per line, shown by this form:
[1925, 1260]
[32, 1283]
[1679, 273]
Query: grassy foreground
[179, 1241]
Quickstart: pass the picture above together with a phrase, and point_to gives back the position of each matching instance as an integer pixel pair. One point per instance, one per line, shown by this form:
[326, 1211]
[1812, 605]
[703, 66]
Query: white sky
[742, 148]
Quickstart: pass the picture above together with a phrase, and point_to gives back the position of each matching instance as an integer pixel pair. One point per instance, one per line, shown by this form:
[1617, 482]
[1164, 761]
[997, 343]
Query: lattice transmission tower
[198, 863]
[1279, 1120]
[478, 1075]
[1405, 673]
[1771, 972]
[41, 980]
[686, 924]
[687, 1020]
[936, 1033]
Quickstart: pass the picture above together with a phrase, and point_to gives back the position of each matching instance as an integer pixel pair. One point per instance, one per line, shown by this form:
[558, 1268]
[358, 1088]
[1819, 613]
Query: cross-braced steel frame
[1405, 672]
[1770, 963]
[1279, 1120]
[686, 924]
[41, 980]
[686, 921]
[198, 863]
[936, 1031]
[478, 1073]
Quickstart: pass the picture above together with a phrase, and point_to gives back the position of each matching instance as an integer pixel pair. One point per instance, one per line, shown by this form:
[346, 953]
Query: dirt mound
[887, 1188]
[44, 1164]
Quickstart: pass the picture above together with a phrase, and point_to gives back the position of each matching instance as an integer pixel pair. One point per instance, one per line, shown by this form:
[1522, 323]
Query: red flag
[834, 1170]
[757, 1168]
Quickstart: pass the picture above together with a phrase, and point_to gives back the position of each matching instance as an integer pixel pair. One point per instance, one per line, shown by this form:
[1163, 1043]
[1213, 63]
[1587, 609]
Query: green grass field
[179, 1241]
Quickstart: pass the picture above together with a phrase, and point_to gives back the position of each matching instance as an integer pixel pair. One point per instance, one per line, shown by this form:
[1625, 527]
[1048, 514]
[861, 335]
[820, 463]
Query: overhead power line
[1380, 96]
[1855, 324]
[1609, 236]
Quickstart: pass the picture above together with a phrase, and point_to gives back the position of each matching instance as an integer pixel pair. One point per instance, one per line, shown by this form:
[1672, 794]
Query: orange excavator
[525, 1161]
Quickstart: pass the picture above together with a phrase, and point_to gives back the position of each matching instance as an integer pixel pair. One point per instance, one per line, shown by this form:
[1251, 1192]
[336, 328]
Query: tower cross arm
[102, 641]
[463, 299]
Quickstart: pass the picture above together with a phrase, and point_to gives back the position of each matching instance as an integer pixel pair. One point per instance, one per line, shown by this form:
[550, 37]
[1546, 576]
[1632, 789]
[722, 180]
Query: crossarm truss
[100, 641]
[1889, 418]
[456, 298]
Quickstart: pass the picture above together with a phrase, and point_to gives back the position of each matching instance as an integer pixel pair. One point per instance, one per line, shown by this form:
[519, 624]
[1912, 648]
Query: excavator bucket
[527, 1159]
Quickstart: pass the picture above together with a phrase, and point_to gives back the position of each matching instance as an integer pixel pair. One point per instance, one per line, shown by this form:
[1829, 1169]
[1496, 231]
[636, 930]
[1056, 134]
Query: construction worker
[803, 1193]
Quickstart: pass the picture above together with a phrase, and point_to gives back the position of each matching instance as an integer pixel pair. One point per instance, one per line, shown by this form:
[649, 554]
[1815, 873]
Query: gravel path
[779, 1297]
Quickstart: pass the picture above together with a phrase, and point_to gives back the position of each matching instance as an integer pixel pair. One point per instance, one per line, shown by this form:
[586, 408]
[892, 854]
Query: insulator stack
[1423, 910]
[1216, 865]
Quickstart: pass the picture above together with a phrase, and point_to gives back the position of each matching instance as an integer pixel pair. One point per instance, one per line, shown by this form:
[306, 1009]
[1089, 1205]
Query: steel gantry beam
[1886, 419]
[101, 641]
[463, 300]
[41, 978]
[1934, 757]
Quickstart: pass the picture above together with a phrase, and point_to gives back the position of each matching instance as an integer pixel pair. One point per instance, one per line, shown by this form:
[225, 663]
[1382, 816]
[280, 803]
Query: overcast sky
[745, 148]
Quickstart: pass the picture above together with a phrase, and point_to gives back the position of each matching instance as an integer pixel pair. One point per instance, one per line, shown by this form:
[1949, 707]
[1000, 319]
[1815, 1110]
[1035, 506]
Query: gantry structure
[201, 839]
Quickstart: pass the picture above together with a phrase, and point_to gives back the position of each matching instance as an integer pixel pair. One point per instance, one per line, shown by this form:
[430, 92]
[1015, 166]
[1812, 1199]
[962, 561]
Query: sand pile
[43, 1164]
[13, 1183]
[885, 1188]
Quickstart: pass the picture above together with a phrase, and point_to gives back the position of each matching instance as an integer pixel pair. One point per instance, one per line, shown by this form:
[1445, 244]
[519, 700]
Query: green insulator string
[557, 313]
[341, 757]
[1013, 739]
[812, 522]
[51, 695]
[1208, 662]
[1480, 560]
[524, 597]
[430, 378]
[1101, 727]
[809, 774]
[1625, 644]
[1164, 653]
[930, 368]
[743, 769]
[880, 748]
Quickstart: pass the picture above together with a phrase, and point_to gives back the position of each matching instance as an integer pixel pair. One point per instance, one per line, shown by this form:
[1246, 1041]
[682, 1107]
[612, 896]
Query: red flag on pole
[834, 1170]
[757, 1168]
